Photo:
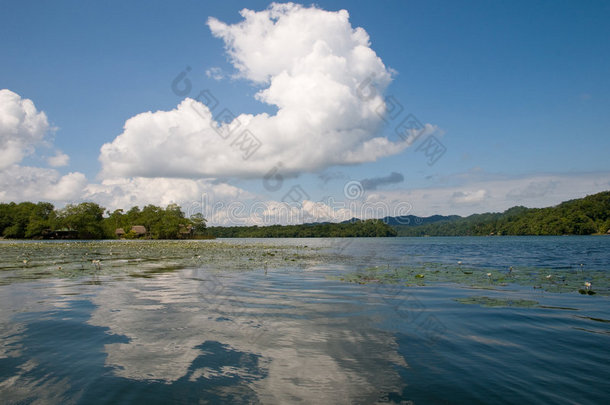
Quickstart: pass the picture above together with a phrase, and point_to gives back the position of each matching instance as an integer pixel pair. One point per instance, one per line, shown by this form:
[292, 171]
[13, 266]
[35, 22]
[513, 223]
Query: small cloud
[532, 190]
[469, 197]
[215, 73]
[373, 183]
[22, 128]
[60, 159]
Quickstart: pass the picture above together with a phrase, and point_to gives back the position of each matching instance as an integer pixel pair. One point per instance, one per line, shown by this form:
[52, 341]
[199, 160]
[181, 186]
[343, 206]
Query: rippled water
[270, 321]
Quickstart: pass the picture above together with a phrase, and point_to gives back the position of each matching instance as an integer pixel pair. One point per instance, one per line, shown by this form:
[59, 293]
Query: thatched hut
[185, 231]
[120, 232]
[139, 230]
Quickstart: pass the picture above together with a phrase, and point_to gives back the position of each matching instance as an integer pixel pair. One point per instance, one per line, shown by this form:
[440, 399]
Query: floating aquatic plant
[34, 260]
[559, 280]
[497, 302]
[587, 289]
[116, 258]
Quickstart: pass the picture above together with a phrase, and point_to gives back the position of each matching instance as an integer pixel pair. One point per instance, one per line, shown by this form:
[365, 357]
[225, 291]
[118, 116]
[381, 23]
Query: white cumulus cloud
[192, 195]
[22, 127]
[24, 183]
[311, 64]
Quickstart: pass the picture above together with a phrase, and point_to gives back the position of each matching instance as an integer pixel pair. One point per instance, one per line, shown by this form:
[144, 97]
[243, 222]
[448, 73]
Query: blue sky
[518, 91]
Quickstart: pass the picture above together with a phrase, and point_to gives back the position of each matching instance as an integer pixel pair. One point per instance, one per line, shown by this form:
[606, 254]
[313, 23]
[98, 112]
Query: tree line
[367, 228]
[584, 216]
[89, 220]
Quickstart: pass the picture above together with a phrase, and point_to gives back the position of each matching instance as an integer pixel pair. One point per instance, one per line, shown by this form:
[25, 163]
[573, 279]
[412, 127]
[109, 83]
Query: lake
[341, 321]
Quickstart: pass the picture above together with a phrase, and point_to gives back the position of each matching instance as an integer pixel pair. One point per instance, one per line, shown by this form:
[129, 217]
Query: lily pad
[561, 280]
[497, 302]
[587, 292]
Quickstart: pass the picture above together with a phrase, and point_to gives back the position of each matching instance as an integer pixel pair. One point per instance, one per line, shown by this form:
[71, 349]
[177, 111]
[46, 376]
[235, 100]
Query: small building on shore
[185, 231]
[139, 230]
[120, 233]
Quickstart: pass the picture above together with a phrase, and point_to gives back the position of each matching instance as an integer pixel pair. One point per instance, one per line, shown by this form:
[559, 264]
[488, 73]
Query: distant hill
[584, 216]
[410, 220]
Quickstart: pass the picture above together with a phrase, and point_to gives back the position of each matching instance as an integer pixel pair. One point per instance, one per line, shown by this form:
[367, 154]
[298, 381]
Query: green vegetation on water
[96, 260]
[498, 302]
[589, 282]
[22, 261]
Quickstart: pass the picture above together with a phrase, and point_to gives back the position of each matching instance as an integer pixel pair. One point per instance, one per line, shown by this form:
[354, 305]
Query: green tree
[199, 224]
[115, 219]
[19, 217]
[42, 218]
[85, 218]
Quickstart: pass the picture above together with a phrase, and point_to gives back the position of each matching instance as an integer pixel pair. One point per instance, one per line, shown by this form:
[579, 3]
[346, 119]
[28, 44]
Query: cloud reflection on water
[309, 346]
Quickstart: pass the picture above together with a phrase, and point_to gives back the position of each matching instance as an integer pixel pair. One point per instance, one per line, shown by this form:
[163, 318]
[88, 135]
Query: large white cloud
[192, 195]
[314, 67]
[25, 183]
[22, 128]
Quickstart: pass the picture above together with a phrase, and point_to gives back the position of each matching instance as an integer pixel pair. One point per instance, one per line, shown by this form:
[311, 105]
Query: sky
[259, 113]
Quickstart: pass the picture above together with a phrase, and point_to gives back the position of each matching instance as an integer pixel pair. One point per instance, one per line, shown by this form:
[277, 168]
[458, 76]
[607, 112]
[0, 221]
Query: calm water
[274, 325]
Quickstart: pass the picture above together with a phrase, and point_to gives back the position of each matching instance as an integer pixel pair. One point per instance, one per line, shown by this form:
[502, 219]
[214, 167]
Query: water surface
[278, 321]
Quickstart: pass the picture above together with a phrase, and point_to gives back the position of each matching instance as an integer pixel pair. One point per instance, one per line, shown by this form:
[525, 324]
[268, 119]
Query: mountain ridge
[583, 216]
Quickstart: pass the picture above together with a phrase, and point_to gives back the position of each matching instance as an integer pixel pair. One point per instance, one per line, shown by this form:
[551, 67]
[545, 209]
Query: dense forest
[584, 216]
[368, 228]
[90, 221]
